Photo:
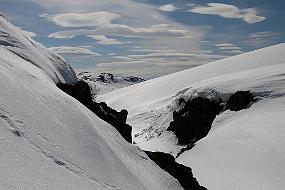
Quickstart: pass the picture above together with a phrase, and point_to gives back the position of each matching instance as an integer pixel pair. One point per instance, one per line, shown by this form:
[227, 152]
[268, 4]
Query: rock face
[239, 100]
[81, 92]
[194, 121]
[182, 173]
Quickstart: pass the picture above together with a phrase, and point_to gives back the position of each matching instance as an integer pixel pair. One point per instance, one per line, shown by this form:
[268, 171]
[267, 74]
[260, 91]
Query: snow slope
[23, 46]
[245, 149]
[106, 82]
[48, 140]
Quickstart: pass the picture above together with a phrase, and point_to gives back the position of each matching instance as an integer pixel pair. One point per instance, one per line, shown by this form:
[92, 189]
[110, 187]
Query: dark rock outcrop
[81, 92]
[182, 173]
[239, 100]
[106, 77]
[194, 121]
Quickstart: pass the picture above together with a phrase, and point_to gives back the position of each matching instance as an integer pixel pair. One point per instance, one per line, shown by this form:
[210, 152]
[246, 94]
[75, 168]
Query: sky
[148, 38]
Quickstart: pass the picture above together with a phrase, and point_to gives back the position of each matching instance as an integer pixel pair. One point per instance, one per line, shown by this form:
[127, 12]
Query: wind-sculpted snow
[48, 140]
[12, 39]
[244, 149]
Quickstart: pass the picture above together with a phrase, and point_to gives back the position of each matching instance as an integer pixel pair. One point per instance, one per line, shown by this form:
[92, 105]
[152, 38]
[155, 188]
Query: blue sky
[148, 38]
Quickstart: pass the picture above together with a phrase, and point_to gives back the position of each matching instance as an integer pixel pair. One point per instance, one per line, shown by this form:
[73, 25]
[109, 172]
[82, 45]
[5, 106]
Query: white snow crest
[14, 40]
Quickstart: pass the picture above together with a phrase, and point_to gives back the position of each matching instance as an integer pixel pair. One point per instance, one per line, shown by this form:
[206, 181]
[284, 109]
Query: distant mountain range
[106, 82]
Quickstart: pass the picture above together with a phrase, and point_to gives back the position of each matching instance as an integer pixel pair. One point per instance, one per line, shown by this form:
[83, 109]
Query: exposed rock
[239, 100]
[182, 173]
[81, 92]
[106, 77]
[194, 121]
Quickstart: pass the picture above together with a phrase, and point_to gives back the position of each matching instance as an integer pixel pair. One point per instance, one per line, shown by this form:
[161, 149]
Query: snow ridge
[12, 39]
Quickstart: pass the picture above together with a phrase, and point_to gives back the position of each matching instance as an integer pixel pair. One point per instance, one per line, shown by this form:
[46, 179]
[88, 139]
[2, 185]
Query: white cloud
[229, 11]
[112, 54]
[101, 39]
[167, 8]
[73, 50]
[152, 50]
[141, 23]
[162, 54]
[84, 19]
[225, 45]
[264, 34]
[28, 33]
[234, 52]
[229, 48]
[177, 55]
[102, 24]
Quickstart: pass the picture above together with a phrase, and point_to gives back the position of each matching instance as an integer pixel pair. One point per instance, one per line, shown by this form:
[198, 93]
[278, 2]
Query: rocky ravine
[190, 124]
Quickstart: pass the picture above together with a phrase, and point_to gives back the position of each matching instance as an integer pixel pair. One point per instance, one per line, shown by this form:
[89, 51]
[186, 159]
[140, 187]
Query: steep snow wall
[48, 140]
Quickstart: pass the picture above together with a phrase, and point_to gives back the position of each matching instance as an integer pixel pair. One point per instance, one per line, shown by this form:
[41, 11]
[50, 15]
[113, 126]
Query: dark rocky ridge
[182, 173]
[109, 78]
[81, 92]
[194, 121]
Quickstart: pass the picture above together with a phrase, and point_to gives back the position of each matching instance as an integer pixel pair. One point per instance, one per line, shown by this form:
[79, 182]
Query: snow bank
[48, 140]
[244, 150]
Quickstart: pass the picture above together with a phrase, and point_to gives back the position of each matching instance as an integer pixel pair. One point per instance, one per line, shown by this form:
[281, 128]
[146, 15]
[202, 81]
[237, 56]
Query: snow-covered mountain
[48, 140]
[106, 82]
[244, 149]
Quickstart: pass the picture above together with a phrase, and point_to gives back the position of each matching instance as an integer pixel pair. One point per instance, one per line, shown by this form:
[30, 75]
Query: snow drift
[48, 140]
[244, 149]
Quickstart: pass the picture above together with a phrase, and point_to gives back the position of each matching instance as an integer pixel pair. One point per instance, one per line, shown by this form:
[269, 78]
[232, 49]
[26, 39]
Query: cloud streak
[167, 8]
[73, 50]
[248, 15]
[104, 40]
[229, 48]
[84, 19]
[265, 34]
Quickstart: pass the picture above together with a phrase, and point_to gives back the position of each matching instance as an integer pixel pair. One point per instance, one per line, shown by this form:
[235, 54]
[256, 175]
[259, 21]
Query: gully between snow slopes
[244, 145]
[190, 124]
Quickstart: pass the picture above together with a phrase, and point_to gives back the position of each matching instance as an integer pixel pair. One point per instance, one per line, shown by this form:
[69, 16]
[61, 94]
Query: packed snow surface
[48, 140]
[245, 149]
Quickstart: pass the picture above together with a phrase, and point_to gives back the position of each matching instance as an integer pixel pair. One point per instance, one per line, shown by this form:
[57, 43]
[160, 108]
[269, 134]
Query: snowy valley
[50, 139]
[244, 149]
